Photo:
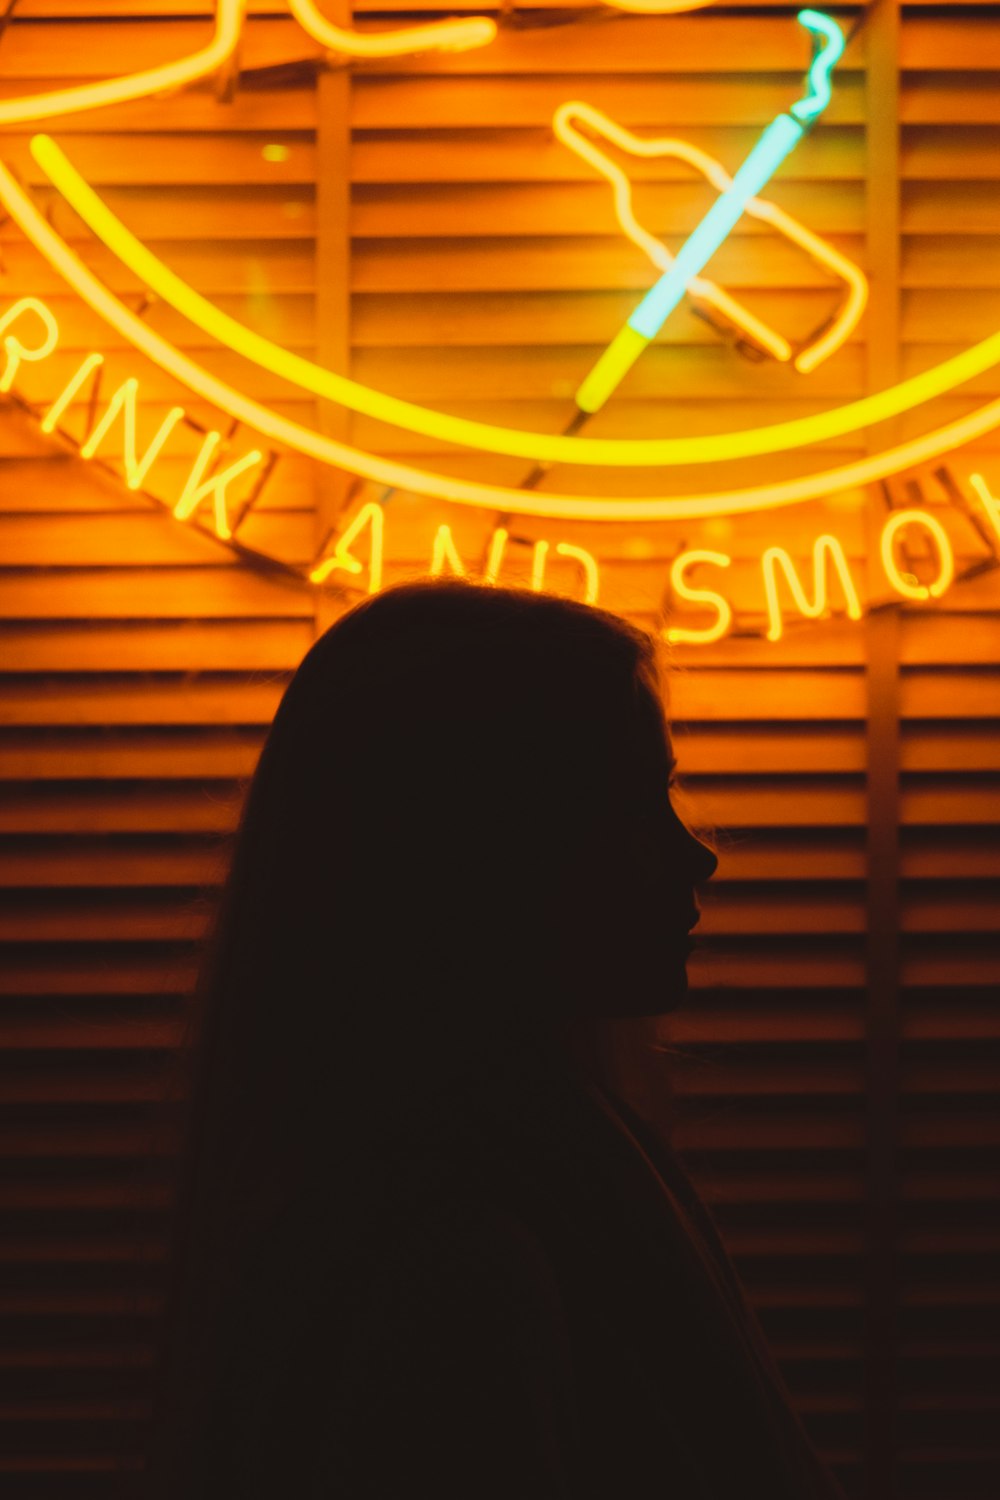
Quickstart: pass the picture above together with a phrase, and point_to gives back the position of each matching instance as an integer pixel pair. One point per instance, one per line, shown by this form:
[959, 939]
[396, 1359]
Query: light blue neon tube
[780, 137]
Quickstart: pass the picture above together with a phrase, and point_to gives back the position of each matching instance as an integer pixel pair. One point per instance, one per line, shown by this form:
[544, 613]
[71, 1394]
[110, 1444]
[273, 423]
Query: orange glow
[14, 349]
[681, 635]
[370, 515]
[946, 558]
[124, 401]
[826, 549]
[197, 488]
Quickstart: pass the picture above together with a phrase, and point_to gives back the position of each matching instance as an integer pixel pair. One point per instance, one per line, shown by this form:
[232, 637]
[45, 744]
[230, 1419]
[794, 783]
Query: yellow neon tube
[990, 503]
[228, 20]
[539, 556]
[342, 558]
[494, 558]
[614, 452]
[124, 401]
[946, 571]
[824, 547]
[681, 634]
[464, 492]
[13, 348]
[197, 488]
[445, 552]
[229, 15]
[564, 123]
[457, 36]
[73, 385]
[587, 561]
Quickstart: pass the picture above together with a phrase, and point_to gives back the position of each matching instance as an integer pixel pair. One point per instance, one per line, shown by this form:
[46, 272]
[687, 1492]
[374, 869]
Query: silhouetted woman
[421, 1249]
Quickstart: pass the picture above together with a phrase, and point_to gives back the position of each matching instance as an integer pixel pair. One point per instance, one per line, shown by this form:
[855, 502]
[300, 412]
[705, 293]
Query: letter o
[946, 570]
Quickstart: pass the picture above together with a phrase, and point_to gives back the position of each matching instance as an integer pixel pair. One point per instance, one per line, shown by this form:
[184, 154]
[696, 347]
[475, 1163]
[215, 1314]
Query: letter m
[826, 550]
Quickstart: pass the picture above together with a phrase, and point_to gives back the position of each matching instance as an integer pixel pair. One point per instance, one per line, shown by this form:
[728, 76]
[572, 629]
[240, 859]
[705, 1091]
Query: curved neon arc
[86, 96]
[458, 35]
[513, 442]
[423, 482]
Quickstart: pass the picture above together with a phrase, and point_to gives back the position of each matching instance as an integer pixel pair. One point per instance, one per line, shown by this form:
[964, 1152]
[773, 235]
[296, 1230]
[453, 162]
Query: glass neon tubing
[778, 141]
[454, 35]
[229, 14]
[534, 446]
[423, 482]
[823, 64]
[228, 23]
[770, 151]
[821, 346]
[648, 318]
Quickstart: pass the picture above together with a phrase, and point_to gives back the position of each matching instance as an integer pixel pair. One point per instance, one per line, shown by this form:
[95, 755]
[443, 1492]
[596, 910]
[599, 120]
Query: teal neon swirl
[823, 64]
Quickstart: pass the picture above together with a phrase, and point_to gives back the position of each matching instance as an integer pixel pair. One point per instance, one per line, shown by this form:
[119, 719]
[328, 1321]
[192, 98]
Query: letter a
[343, 559]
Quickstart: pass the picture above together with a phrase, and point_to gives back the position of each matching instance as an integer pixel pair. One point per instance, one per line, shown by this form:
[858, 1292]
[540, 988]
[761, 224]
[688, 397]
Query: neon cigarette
[778, 141]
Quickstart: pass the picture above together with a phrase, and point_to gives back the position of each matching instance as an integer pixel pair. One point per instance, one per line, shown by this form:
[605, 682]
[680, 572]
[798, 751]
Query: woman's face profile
[637, 905]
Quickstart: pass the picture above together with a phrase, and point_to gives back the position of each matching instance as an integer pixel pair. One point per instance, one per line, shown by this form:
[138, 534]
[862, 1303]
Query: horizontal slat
[172, 646]
[74, 861]
[59, 701]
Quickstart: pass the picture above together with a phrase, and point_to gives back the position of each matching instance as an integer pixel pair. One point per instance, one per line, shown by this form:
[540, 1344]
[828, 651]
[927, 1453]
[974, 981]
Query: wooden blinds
[415, 222]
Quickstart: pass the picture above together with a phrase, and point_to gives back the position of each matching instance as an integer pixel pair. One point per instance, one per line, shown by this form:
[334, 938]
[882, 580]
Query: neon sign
[229, 18]
[620, 508]
[218, 472]
[566, 122]
[779, 139]
[207, 487]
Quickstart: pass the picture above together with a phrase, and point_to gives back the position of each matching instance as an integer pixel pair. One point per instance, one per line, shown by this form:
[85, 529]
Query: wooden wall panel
[480, 270]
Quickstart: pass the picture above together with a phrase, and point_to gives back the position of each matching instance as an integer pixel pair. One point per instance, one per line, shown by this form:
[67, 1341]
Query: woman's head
[464, 800]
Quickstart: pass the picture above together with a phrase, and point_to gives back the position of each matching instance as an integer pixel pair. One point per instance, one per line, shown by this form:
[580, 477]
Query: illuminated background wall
[417, 224]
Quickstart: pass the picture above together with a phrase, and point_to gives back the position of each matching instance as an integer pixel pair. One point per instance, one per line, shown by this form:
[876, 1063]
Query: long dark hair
[437, 790]
[440, 869]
